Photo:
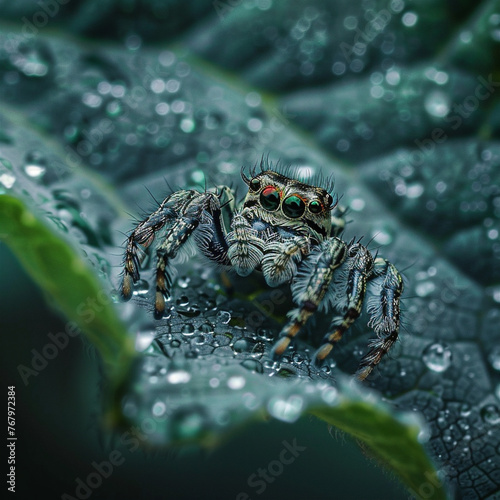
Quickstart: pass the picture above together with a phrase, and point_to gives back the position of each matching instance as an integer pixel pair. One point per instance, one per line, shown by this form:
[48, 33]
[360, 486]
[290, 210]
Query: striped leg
[309, 287]
[139, 241]
[199, 211]
[358, 267]
[386, 287]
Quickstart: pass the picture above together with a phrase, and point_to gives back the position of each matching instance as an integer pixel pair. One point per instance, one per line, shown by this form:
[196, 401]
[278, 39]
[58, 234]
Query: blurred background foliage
[100, 100]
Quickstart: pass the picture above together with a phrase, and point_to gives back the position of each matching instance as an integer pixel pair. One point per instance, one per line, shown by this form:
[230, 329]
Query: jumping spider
[288, 230]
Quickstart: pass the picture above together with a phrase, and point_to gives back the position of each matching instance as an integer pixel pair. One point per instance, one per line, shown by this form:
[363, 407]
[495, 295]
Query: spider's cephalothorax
[289, 231]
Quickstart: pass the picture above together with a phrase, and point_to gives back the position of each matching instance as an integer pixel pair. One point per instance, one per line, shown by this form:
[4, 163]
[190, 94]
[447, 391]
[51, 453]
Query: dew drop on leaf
[253, 365]
[141, 287]
[236, 382]
[437, 357]
[491, 414]
[159, 409]
[178, 377]
[187, 329]
[223, 317]
[287, 410]
[144, 339]
[494, 358]
[35, 165]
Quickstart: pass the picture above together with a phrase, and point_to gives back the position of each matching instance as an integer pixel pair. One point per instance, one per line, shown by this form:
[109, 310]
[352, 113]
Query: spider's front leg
[139, 241]
[309, 287]
[186, 211]
[386, 287]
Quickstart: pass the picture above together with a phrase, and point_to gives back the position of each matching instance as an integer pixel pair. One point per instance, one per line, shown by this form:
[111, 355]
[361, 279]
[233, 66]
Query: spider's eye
[293, 206]
[329, 200]
[255, 184]
[270, 198]
[315, 207]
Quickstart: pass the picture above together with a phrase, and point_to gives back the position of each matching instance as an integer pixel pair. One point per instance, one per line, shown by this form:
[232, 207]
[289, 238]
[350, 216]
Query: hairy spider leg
[386, 285]
[281, 258]
[143, 235]
[358, 267]
[202, 209]
[310, 286]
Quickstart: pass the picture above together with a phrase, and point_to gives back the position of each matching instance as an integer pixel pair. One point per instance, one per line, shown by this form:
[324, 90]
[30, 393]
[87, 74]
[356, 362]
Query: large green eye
[254, 184]
[315, 207]
[293, 206]
[270, 198]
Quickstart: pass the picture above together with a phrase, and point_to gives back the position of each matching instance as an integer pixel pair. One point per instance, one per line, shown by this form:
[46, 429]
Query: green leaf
[67, 278]
[399, 87]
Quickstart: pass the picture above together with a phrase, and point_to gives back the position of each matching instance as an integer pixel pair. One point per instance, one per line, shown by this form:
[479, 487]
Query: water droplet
[382, 236]
[187, 125]
[424, 288]
[287, 410]
[414, 190]
[465, 410]
[223, 317]
[236, 382]
[437, 104]
[206, 328]
[214, 382]
[182, 301]
[409, 19]
[253, 365]
[494, 358]
[91, 100]
[7, 180]
[199, 339]
[265, 334]
[133, 42]
[329, 395]
[144, 339]
[424, 435]
[159, 409]
[183, 281]
[241, 345]
[35, 165]
[437, 357]
[254, 124]
[141, 287]
[187, 329]
[178, 377]
[393, 77]
[114, 108]
[495, 292]
[253, 99]
[357, 204]
[490, 414]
